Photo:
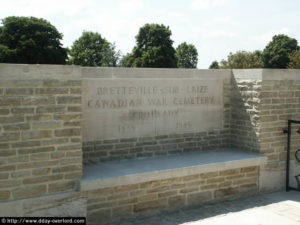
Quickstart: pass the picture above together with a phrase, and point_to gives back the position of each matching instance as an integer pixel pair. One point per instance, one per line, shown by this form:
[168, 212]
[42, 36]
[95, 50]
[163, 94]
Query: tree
[90, 49]
[153, 48]
[187, 56]
[294, 60]
[276, 53]
[214, 65]
[242, 60]
[30, 40]
[127, 60]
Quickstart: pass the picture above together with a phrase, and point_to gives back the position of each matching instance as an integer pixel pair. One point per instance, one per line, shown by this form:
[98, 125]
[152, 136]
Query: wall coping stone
[37, 71]
[118, 173]
[266, 74]
[162, 73]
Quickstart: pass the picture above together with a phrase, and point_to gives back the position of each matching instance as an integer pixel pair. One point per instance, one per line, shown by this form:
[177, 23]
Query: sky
[215, 27]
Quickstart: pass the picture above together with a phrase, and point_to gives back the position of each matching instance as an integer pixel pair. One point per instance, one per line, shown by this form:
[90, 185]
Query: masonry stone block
[36, 134]
[29, 191]
[198, 198]
[61, 186]
[68, 132]
[10, 101]
[4, 195]
[51, 91]
[150, 205]
[68, 100]
[177, 201]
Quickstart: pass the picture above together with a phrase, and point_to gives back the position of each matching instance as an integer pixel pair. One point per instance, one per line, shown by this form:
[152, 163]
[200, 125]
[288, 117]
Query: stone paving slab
[280, 208]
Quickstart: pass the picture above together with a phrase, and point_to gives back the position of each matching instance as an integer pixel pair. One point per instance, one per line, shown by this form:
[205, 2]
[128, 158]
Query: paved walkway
[280, 208]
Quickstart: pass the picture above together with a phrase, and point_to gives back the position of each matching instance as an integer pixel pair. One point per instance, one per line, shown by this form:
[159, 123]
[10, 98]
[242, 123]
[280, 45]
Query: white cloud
[218, 27]
[40, 8]
[207, 4]
[167, 15]
[130, 5]
[266, 37]
[221, 21]
[217, 33]
[110, 27]
[210, 33]
[203, 47]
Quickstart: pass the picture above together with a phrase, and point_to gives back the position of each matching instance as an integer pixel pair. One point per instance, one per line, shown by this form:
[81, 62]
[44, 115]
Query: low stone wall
[114, 203]
[40, 124]
[105, 205]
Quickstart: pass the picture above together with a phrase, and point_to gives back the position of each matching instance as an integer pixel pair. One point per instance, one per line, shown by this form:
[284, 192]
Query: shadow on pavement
[211, 210]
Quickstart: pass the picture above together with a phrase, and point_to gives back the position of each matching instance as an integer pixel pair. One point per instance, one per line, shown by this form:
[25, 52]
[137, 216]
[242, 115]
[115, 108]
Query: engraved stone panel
[123, 108]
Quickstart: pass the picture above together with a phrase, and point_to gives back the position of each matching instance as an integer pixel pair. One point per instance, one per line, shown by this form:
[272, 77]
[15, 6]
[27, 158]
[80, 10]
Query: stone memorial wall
[124, 108]
[55, 118]
[153, 114]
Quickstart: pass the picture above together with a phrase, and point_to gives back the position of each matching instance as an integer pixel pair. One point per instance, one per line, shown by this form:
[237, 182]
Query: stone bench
[127, 188]
[116, 173]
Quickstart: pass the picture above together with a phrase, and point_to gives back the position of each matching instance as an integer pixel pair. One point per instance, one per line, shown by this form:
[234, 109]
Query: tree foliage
[276, 53]
[214, 65]
[30, 40]
[127, 60]
[153, 48]
[90, 49]
[187, 56]
[242, 60]
[294, 60]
